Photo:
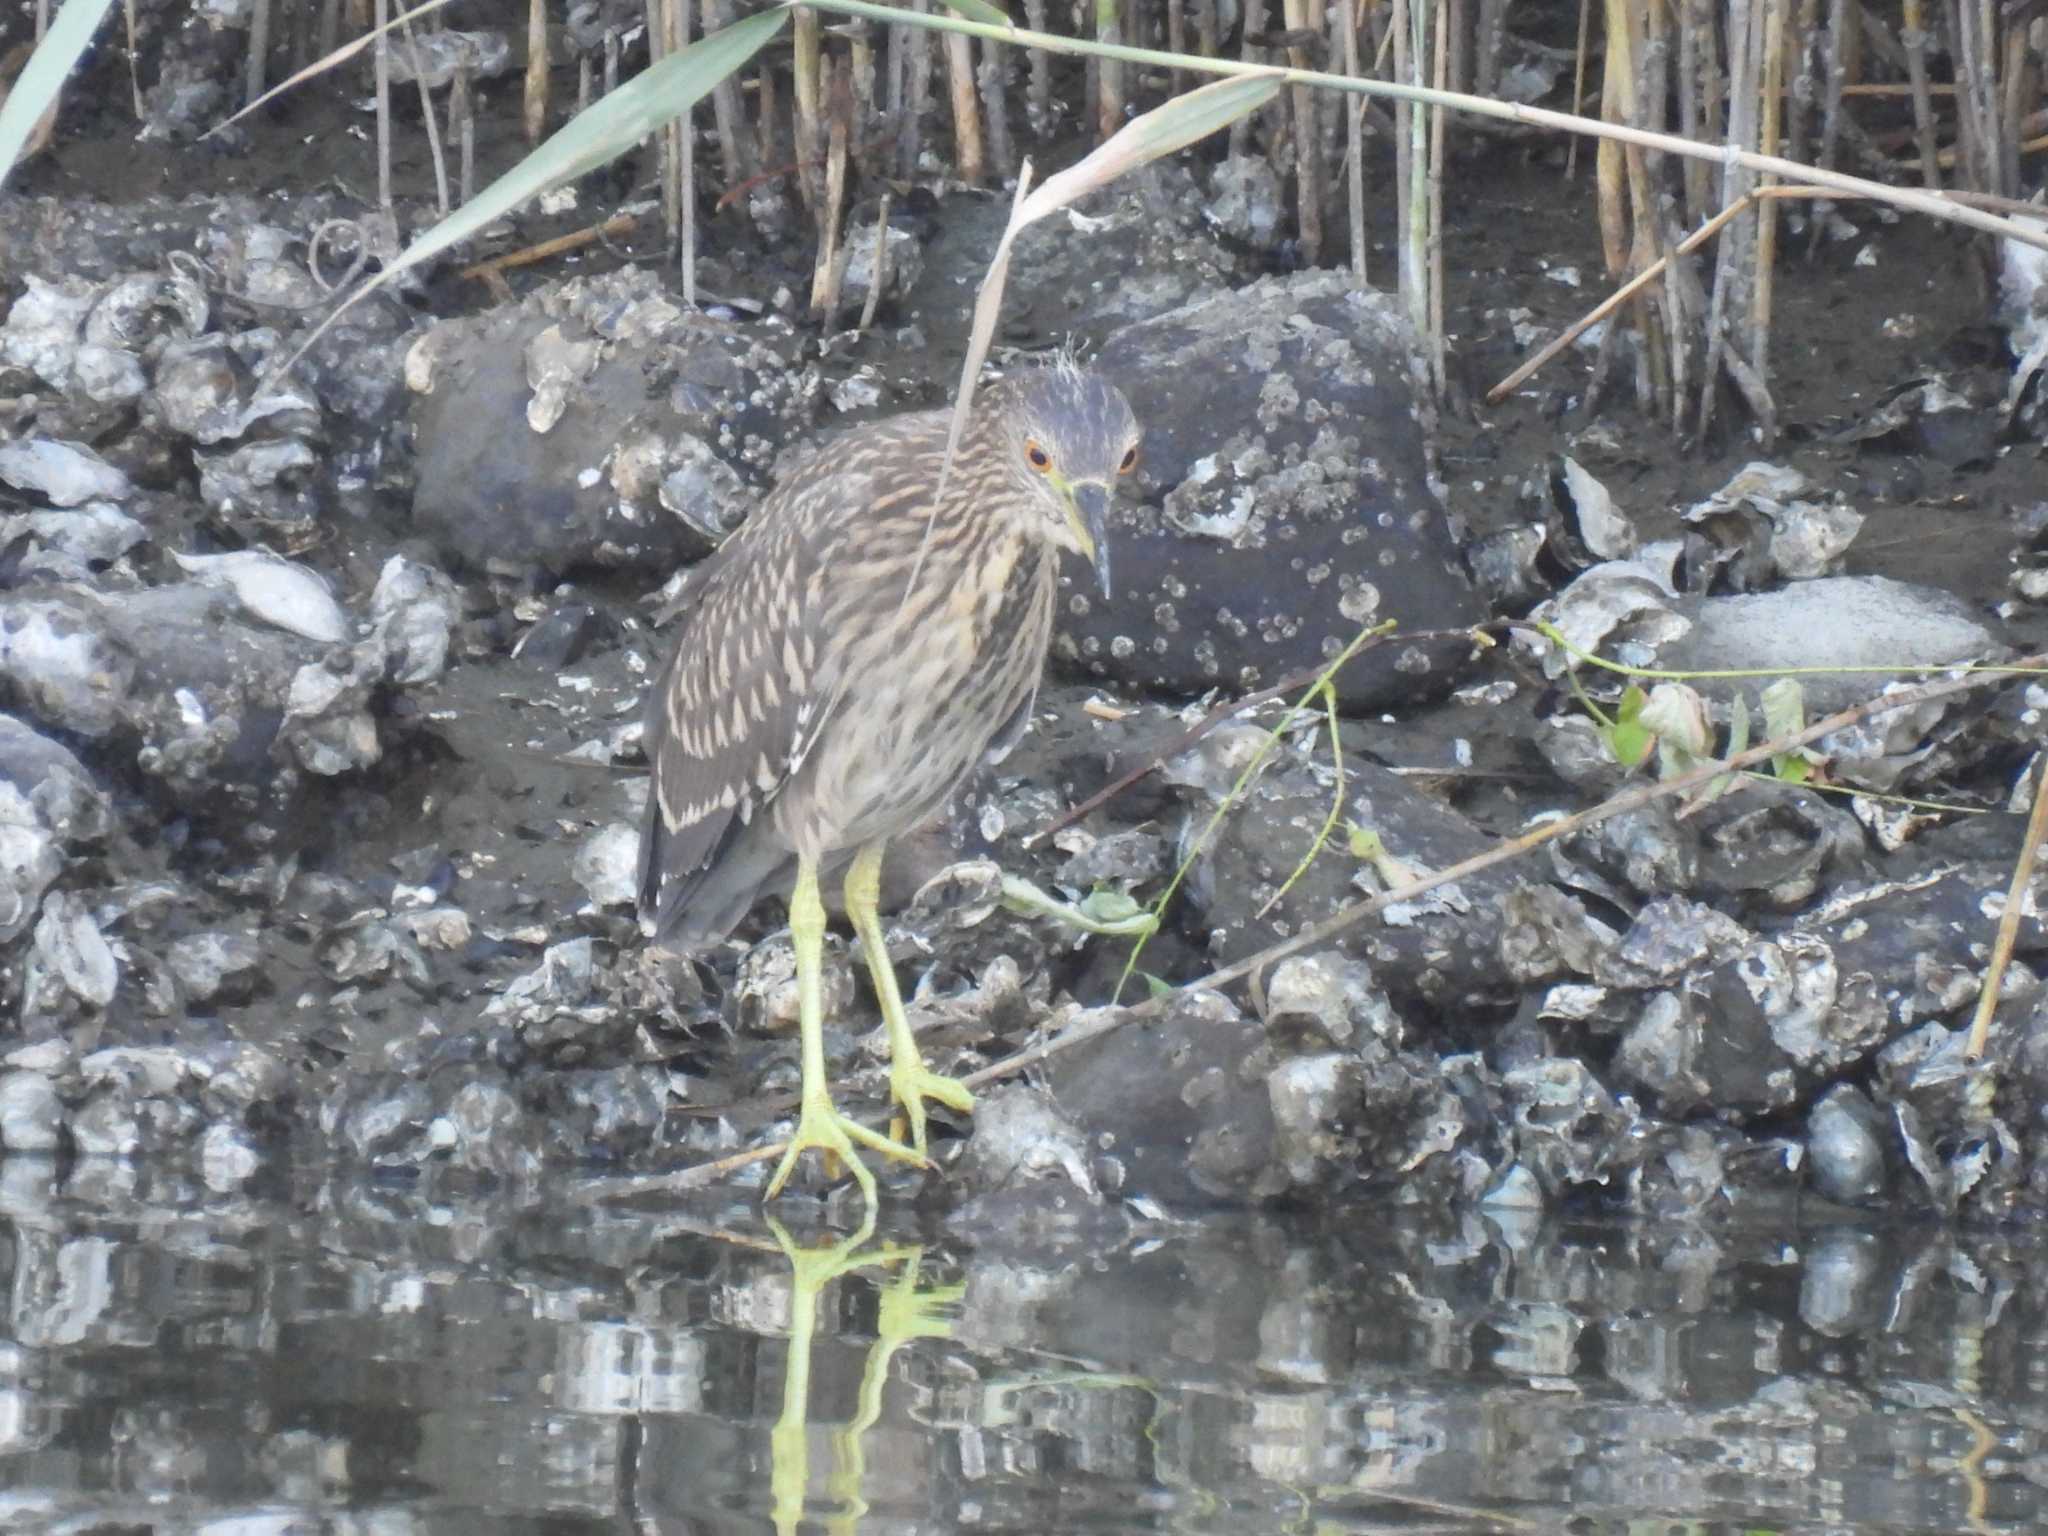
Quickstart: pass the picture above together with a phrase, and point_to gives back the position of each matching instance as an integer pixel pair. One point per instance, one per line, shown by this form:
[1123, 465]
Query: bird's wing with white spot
[732, 715]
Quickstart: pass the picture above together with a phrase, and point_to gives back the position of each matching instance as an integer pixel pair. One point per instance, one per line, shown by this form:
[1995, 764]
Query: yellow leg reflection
[906, 1313]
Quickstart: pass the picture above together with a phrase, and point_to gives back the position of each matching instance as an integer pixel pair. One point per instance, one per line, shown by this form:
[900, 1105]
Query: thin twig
[2009, 919]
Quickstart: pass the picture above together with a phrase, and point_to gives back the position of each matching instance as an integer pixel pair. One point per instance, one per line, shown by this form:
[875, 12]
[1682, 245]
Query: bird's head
[1069, 435]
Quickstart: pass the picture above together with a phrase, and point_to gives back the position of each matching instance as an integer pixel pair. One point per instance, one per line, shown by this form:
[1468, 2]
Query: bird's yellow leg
[909, 1079]
[820, 1126]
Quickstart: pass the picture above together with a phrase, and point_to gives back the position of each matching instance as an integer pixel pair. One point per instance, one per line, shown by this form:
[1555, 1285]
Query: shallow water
[340, 1356]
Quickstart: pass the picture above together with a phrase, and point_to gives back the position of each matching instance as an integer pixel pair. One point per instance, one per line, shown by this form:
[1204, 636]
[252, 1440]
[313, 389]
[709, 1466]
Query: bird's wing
[729, 720]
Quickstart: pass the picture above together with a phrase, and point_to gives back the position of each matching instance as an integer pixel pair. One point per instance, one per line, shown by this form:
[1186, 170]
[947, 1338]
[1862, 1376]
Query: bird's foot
[912, 1082]
[820, 1127]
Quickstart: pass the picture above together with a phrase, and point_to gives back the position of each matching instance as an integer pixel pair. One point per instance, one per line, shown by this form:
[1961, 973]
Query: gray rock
[71, 961]
[414, 609]
[1247, 204]
[1439, 950]
[607, 865]
[662, 390]
[1178, 1111]
[1286, 500]
[43, 784]
[612, 1112]
[1022, 1140]
[74, 545]
[63, 474]
[31, 1115]
[1838, 621]
[214, 967]
[1845, 1145]
[1329, 998]
[62, 662]
[30, 862]
[272, 590]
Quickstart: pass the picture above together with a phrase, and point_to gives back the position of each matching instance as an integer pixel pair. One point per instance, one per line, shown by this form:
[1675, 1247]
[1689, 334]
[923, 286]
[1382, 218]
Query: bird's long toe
[912, 1083]
[820, 1127]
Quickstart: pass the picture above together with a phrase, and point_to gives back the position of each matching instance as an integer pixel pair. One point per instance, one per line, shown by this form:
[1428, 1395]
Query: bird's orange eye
[1038, 458]
[1130, 461]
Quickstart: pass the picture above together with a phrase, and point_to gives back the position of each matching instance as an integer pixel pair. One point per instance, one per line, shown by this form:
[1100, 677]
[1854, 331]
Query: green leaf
[1628, 738]
[1155, 987]
[981, 11]
[1784, 705]
[1738, 742]
[41, 79]
[1107, 906]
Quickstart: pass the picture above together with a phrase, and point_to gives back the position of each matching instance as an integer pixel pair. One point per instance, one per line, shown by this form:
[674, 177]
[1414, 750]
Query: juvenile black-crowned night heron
[844, 661]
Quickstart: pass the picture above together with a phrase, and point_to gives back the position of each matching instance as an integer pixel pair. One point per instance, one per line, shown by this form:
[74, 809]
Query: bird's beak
[1091, 522]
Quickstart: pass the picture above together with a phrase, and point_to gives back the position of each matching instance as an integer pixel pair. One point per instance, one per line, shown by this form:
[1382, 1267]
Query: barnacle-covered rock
[583, 482]
[1287, 500]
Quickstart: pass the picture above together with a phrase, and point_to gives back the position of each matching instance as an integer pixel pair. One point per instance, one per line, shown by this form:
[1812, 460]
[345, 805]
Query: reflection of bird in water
[844, 661]
[906, 1311]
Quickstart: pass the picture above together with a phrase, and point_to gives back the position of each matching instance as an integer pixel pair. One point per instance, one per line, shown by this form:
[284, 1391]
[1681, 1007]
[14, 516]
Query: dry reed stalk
[1842, 28]
[1177, 41]
[1617, 105]
[1434, 341]
[767, 120]
[878, 277]
[1571, 154]
[807, 86]
[830, 270]
[1770, 126]
[586, 82]
[534, 117]
[917, 78]
[1407, 276]
[735, 144]
[1354, 139]
[1415, 191]
[2013, 80]
[427, 121]
[2008, 931]
[1308, 160]
[611, 60]
[1803, 87]
[860, 60]
[968, 160]
[1206, 39]
[1735, 185]
[1661, 363]
[612, 228]
[1490, 37]
[259, 51]
[1038, 96]
[1973, 30]
[1109, 73]
[383, 14]
[330, 28]
[683, 140]
[1251, 53]
[462, 132]
[660, 44]
[1892, 87]
[994, 78]
[1694, 174]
